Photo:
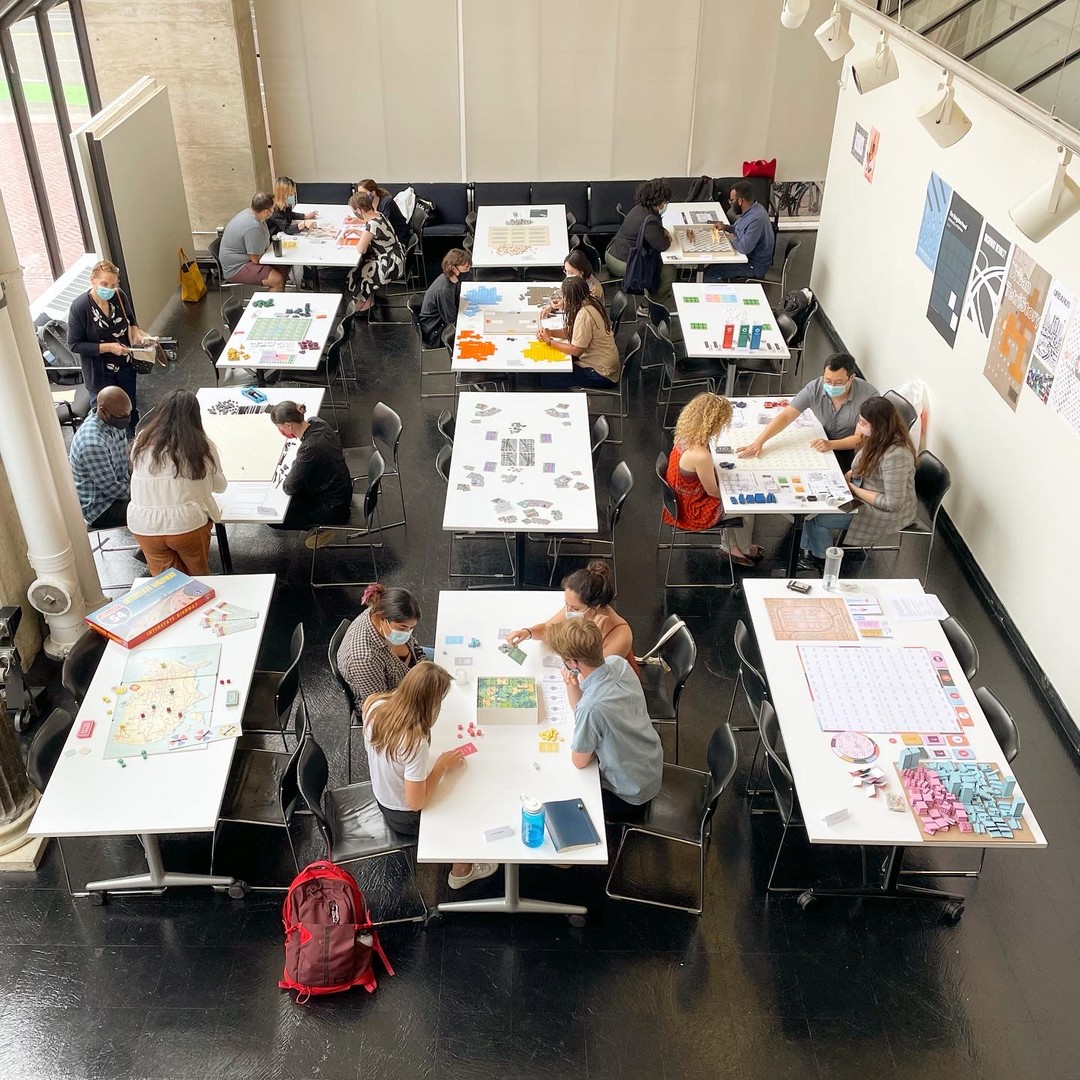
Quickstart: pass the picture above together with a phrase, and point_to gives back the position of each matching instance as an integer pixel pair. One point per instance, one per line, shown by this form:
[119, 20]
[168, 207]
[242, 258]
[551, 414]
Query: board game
[704, 239]
[497, 328]
[268, 329]
[149, 608]
[809, 619]
[728, 320]
[506, 699]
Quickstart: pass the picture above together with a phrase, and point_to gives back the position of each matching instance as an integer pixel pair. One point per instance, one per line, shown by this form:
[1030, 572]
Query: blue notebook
[569, 825]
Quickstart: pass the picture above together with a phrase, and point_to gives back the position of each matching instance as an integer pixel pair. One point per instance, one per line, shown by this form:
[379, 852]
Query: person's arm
[786, 416]
[535, 632]
[620, 641]
[656, 236]
[300, 472]
[897, 470]
[852, 442]
[418, 793]
[365, 240]
[748, 233]
[256, 241]
[218, 480]
[446, 303]
[700, 460]
[585, 742]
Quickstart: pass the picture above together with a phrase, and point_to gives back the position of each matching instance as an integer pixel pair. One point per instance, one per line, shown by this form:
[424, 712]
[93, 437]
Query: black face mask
[118, 422]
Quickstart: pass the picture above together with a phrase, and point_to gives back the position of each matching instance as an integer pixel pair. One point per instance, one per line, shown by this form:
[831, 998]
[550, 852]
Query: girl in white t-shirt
[397, 735]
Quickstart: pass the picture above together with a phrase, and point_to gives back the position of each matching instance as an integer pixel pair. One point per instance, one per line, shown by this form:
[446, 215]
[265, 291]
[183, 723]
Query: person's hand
[113, 347]
[569, 677]
[668, 235]
[450, 760]
[545, 335]
[547, 311]
[820, 444]
[311, 215]
[515, 637]
[749, 451]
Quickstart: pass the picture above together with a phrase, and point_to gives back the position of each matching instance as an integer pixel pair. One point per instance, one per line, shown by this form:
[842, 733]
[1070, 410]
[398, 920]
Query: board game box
[150, 607]
[506, 699]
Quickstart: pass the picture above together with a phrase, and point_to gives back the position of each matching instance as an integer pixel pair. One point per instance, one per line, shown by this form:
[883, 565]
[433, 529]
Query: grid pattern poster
[1065, 391]
[987, 279]
[956, 253]
[936, 206]
[1050, 340]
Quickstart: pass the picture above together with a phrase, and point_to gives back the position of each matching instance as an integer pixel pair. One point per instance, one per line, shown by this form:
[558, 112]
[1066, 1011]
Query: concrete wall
[16, 572]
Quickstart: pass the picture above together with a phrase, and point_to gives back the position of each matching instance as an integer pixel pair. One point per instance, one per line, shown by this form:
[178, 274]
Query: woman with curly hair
[650, 201]
[692, 475]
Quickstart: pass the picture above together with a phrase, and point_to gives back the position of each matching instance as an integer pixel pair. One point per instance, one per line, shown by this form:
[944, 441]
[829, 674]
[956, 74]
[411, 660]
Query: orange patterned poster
[810, 619]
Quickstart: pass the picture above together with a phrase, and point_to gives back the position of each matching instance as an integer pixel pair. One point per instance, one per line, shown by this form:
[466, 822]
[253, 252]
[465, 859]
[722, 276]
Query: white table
[487, 792]
[529, 235]
[329, 243]
[679, 217]
[178, 792]
[823, 780]
[712, 314]
[553, 464]
[251, 347]
[496, 328]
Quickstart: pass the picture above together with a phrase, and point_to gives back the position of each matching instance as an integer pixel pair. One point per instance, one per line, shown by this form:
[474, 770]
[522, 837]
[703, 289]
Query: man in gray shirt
[835, 399]
[611, 720]
[245, 241]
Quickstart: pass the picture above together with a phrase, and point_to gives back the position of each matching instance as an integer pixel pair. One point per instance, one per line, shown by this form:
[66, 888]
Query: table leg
[157, 876]
[793, 550]
[316, 281]
[223, 546]
[519, 560]
[890, 888]
[512, 902]
[729, 379]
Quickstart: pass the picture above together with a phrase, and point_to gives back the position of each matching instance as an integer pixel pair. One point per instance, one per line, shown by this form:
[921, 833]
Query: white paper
[919, 607]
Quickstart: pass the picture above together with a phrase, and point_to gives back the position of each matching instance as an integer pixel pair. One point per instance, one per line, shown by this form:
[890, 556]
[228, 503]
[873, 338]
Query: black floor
[185, 985]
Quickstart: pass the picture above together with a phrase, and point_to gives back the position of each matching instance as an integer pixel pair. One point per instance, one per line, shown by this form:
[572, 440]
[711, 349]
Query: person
[381, 256]
[587, 338]
[587, 594]
[318, 483]
[835, 398]
[611, 719]
[440, 307]
[244, 242]
[576, 264]
[175, 472]
[102, 329]
[691, 474]
[397, 737]
[650, 201]
[384, 203]
[882, 478]
[285, 219]
[99, 461]
[753, 237]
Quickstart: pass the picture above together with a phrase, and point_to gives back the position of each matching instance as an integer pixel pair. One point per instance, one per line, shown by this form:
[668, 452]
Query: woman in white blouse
[174, 473]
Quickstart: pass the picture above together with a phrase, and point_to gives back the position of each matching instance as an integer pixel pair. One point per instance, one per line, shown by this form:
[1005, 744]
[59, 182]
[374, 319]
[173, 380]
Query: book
[149, 608]
[569, 825]
[506, 699]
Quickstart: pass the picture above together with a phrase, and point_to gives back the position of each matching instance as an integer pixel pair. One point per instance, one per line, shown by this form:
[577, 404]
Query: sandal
[755, 552]
[738, 560]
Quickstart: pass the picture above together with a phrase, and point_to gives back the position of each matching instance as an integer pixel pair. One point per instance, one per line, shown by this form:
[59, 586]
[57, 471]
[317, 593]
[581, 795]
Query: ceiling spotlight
[794, 12]
[832, 35]
[1049, 205]
[945, 121]
[876, 70]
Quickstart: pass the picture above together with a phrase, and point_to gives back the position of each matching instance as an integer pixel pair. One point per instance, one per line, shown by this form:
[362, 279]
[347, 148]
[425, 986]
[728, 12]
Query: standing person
[381, 256]
[285, 219]
[175, 472]
[99, 461]
[440, 307]
[102, 329]
[244, 242]
[753, 237]
[650, 201]
[397, 736]
[611, 719]
[318, 482]
[384, 203]
[587, 339]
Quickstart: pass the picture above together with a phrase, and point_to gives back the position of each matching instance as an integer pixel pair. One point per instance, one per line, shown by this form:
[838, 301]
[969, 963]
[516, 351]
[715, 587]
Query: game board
[522, 323]
[731, 320]
[272, 329]
[809, 619]
[506, 699]
[497, 329]
[702, 240]
[518, 237]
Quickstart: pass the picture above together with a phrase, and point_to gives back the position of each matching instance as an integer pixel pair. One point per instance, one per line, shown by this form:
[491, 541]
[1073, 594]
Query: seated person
[381, 256]
[284, 219]
[611, 720]
[753, 237]
[440, 307]
[882, 477]
[587, 338]
[576, 264]
[587, 594]
[384, 203]
[318, 484]
[397, 736]
[244, 242]
[99, 461]
[691, 474]
[835, 399]
[650, 201]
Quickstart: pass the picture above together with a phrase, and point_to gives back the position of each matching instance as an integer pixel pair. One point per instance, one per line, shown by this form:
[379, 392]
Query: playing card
[465, 749]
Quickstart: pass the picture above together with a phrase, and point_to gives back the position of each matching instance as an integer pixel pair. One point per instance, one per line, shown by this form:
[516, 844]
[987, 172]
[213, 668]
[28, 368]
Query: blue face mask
[398, 637]
[104, 292]
[290, 200]
[835, 391]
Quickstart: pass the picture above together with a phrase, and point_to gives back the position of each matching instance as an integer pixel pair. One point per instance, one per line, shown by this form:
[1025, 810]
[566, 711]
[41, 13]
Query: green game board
[278, 328]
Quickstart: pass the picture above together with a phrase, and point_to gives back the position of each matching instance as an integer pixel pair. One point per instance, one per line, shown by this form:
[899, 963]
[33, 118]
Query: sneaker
[318, 540]
[478, 872]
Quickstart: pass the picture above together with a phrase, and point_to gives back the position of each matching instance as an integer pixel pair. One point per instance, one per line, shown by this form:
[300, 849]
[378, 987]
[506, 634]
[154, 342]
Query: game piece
[479, 731]
[84, 749]
[85, 729]
[232, 699]
[498, 833]
[466, 749]
[121, 763]
[834, 817]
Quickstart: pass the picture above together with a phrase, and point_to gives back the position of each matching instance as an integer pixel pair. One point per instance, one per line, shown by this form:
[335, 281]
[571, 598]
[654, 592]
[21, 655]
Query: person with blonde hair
[381, 258]
[691, 474]
[397, 736]
[284, 218]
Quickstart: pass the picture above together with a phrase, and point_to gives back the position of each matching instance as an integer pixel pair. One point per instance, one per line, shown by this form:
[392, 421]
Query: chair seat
[357, 459]
[357, 825]
[260, 712]
[698, 367]
[251, 793]
[762, 365]
[450, 228]
[919, 525]
[657, 695]
[676, 810]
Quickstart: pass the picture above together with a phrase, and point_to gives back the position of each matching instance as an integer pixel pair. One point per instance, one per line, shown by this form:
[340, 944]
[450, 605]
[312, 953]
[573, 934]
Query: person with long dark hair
[587, 338]
[882, 478]
[175, 471]
[385, 205]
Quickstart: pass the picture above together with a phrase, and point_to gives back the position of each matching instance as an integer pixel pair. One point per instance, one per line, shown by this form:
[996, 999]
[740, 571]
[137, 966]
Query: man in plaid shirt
[99, 460]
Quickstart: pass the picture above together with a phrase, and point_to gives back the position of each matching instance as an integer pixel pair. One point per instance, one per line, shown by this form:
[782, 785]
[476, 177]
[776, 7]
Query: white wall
[1014, 494]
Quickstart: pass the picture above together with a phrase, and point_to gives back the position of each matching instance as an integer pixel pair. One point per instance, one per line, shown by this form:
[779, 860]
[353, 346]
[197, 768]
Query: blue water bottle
[532, 822]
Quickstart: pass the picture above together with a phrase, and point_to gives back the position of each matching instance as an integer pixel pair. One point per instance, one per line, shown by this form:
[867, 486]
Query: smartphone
[254, 394]
[850, 506]
[798, 586]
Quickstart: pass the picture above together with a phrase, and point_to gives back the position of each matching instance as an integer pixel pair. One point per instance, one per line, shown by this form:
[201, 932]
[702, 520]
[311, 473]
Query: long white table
[684, 219]
[514, 449]
[176, 792]
[530, 235]
[508, 764]
[328, 243]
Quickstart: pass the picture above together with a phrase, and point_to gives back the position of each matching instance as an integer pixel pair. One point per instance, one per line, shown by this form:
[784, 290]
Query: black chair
[262, 791]
[355, 720]
[679, 371]
[451, 205]
[351, 823]
[447, 426]
[44, 753]
[674, 654]
[415, 304]
[765, 365]
[962, 645]
[72, 413]
[581, 242]
[362, 524]
[783, 790]
[609, 200]
[231, 310]
[682, 812]
[598, 436]
[328, 370]
[573, 194]
[386, 431]
[81, 663]
[418, 224]
[617, 310]
[777, 276]
[903, 407]
[619, 393]
[272, 695]
[502, 193]
[212, 344]
[755, 690]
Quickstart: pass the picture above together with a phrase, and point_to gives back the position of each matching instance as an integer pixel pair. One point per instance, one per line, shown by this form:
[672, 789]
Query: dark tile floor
[185, 985]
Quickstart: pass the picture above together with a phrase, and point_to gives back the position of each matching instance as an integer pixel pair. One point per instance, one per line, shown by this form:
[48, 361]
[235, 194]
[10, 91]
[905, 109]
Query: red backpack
[329, 936]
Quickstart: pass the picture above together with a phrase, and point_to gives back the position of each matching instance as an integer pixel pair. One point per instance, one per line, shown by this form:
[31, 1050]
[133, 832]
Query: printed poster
[987, 279]
[956, 253]
[858, 143]
[1017, 324]
[935, 208]
[1050, 340]
[1065, 391]
[871, 155]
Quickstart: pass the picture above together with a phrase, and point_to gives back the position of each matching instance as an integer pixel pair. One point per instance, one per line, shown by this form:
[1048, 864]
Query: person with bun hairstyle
[397, 737]
[384, 203]
[587, 594]
[576, 264]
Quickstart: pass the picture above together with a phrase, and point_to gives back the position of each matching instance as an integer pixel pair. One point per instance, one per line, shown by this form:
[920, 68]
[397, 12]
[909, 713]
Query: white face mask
[575, 614]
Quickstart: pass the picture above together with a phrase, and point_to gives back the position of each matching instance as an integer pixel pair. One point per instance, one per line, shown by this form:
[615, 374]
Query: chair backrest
[594, 255]
[376, 469]
[447, 425]
[598, 436]
[783, 784]
[502, 193]
[289, 683]
[214, 247]
[932, 481]
[332, 651]
[312, 775]
[1001, 722]
[617, 309]
[722, 754]
[332, 356]
[631, 357]
[448, 336]
[47, 745]
[418, 220]
[232, 309]
[792, 247]
[788, 327]
[605, 197]
[620, 485]
[81, 663]
[660, 336]
[679, 652]
[903, 407]
[442, 462]
[963, 645]
[470, 223]
[386, 428]
[670, 503]
[288, 783]
[658, 314]
[212, 343]
[754, 686]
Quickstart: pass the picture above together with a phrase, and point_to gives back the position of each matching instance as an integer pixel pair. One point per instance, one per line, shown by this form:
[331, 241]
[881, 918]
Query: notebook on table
[569, 825]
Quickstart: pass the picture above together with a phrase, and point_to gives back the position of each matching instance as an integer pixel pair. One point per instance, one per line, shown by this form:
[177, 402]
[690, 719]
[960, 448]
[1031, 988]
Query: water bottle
[831, 576]
[277, 245]
[532, 822]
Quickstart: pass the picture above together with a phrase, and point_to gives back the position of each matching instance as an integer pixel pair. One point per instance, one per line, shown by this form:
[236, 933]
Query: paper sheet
[918, 608]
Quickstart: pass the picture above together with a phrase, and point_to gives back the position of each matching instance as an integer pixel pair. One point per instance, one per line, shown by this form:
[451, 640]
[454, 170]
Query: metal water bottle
[532, 822]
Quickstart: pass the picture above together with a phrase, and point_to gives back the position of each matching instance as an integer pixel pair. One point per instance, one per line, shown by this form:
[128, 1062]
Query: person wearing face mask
[244, 242]
[882, 478]
[285, 219]
[381, 256]
[384, 203]
[650, 201]
[611, 720]
[379, 648]
[440, 307]
[752, 236]
[99, 461]
[101, 330]
[835, 398]
[576, 264]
